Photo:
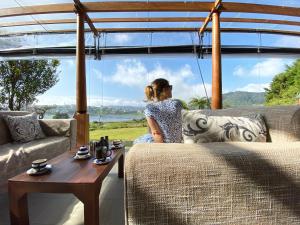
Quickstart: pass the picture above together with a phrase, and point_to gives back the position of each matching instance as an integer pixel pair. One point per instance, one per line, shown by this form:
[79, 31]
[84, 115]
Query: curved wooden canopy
[162, 30]
[152, 20]
[150, 7]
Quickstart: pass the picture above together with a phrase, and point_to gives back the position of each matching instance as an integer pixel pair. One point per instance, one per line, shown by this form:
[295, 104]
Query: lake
[109, 118]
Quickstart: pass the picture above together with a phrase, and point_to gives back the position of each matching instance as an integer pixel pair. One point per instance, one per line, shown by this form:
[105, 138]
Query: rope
[16, 1]
[199, 68]
[202, 79]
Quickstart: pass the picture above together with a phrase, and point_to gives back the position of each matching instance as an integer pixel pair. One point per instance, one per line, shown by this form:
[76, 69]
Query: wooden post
[216, 62]
[81, 100]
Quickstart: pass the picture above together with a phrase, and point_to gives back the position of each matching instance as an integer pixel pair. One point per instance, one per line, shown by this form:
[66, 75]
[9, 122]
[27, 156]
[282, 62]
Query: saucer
[87, 156]
[99, 162]
[116, 146]
[34, 172]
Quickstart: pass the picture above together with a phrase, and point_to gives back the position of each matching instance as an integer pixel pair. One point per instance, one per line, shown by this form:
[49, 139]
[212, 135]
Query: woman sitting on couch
[163, 114]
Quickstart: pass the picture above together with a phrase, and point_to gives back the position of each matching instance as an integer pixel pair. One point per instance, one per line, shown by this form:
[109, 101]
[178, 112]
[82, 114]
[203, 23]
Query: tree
[61, 115]
[21, 81]
[284, 86]
[184, 104]
[198, 103]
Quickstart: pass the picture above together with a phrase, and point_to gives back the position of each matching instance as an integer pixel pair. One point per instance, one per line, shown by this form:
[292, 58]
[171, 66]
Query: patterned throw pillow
[24, 128]
[200, 128]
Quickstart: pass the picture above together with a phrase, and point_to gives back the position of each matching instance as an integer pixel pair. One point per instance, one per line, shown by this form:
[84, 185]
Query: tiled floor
[66, 209]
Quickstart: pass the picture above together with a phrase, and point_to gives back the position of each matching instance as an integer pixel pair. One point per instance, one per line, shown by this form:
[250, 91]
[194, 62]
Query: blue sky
[121, 80]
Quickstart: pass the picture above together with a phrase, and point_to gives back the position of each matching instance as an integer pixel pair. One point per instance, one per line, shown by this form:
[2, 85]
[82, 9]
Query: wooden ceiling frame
[216, 7]
[80, 9]
[152, 20]
[151, 7]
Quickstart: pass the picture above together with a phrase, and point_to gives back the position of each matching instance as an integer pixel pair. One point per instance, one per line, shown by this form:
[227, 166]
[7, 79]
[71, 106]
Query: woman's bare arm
[155, 130]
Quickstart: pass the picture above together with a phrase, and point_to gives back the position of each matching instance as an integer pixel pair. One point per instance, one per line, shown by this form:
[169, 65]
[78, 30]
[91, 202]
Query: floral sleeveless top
[167, 114]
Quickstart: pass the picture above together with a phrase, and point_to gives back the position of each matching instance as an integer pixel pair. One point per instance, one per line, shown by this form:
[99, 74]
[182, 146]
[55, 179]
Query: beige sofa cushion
[16, 158]
[213, 183]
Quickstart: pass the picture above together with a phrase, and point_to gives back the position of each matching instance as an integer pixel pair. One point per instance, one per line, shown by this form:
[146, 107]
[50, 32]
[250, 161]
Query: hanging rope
[16, 1]
[203, 83]
[200, 53]
[199, 68]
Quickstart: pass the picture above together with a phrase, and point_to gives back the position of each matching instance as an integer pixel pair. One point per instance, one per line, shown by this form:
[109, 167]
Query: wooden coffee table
[80, 177]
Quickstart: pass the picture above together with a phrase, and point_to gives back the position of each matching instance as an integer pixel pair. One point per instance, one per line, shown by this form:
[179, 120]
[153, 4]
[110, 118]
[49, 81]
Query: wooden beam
[152, 20]
[151, 7]
[216, 97]
[81, 98]
[208, 18]
[159, 30]
[80, 8]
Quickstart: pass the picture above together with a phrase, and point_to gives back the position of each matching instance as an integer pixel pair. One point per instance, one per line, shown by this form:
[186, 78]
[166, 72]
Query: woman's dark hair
[155, 90]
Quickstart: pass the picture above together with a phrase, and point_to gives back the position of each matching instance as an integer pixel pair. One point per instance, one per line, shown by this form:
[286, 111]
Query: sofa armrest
[213, 183]
[60, 127]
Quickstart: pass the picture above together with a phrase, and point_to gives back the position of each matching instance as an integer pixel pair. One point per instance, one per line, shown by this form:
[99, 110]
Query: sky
[121, 80]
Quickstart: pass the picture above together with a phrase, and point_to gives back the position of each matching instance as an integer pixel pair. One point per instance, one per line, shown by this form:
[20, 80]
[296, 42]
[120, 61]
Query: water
[108, 118]
[116, 118]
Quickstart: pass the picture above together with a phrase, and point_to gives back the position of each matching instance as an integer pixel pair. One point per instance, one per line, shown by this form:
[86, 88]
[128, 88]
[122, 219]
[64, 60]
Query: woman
[163, 114]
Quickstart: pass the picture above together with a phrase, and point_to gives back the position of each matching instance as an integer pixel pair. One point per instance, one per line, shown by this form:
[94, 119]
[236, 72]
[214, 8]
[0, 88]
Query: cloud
[55, 100]
[267, 68]
[288, 41]
[121, 38]
[69, 62]
[133, 73]
[254, 87]
[98, 74]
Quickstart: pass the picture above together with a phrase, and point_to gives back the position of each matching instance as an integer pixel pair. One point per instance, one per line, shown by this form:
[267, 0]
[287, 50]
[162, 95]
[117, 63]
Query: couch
[16, 158]
[219, 183]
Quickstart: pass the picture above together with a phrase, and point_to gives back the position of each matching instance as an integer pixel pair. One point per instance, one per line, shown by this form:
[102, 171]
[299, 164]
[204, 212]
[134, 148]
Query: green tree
[184, 104]
[284, 86]
[21, 81]
[61, 115]
[198, 103]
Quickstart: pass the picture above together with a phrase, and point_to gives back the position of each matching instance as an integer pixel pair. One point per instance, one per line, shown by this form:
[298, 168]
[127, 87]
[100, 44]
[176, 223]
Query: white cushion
[200, 128]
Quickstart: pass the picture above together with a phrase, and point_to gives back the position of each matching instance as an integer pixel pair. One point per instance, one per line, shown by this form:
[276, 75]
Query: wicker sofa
[219, 183]
[15, 158]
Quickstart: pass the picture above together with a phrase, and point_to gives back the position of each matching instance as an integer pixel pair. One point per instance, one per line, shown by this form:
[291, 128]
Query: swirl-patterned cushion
[200, 128]
[24, 128]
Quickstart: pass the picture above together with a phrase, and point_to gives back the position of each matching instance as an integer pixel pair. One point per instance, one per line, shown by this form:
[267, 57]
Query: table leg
[18, 207]
[89, 196]
[121, 166]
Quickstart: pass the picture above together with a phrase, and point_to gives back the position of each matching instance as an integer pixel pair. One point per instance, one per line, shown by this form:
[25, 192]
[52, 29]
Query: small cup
[83, 150]
[39, 164]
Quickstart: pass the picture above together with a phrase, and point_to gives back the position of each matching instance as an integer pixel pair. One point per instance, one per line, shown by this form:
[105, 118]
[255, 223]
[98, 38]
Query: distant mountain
[95, 111]
[243, 98]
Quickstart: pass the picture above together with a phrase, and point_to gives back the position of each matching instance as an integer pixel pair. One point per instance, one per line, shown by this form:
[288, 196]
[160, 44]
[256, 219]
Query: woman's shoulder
[170, 101]
[175, 102]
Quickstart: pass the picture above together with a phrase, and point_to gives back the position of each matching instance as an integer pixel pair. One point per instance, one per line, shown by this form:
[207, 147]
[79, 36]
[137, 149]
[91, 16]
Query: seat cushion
[16, 158]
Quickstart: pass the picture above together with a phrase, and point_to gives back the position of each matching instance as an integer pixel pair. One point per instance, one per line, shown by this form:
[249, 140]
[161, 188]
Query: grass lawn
[126, 134]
